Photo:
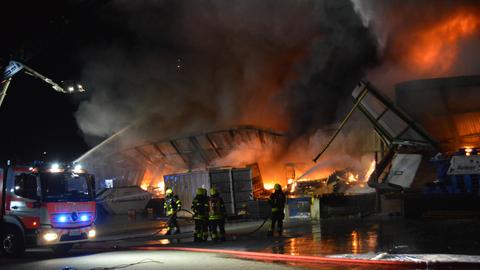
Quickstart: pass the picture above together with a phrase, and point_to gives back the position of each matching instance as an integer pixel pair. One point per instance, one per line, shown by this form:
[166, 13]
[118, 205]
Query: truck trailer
[45, 205]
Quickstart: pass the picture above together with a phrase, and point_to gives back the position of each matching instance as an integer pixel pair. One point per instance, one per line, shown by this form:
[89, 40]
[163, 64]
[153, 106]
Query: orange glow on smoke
[435, 49]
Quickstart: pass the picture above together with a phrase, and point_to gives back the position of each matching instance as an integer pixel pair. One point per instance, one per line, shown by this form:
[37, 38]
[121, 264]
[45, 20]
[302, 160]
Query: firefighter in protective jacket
[277, 202]
[172, 206]
[216, 217]
[200, 207]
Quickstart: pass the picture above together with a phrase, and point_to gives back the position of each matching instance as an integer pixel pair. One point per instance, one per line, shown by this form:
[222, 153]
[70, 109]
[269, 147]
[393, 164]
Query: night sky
[201, 65]
[137, 46]
[48, 37]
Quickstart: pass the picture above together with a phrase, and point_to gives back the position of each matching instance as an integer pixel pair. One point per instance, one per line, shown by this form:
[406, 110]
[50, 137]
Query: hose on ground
[236, 234]
[252, 232]
[161, 228]
[168, 221]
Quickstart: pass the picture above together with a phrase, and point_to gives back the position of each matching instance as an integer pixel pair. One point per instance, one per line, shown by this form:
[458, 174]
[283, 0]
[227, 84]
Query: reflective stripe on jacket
[200, 206]
[217, 208]
[277, 201]
[172, 204]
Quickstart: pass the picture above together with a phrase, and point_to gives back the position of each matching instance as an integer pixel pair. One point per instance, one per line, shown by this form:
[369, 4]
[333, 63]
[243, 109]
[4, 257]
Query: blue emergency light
[62, 218]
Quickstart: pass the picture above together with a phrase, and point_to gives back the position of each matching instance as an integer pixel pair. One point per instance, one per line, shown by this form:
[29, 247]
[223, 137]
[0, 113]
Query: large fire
[433, 49]
[153, 182]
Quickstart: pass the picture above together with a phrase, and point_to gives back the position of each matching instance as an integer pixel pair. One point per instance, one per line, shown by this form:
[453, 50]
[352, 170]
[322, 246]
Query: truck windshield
[61, 187]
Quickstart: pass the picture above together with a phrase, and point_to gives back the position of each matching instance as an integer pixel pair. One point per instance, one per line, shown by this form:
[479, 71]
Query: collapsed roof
[182, 153]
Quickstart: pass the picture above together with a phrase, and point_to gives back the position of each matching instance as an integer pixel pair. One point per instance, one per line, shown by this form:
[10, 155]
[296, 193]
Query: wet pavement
[392, 235]
[301, 237]
[355, 236]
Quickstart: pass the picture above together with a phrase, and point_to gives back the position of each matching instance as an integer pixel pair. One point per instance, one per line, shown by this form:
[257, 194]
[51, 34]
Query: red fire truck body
[45, 206]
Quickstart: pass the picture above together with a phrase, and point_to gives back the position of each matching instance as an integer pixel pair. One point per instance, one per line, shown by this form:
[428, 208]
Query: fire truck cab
[45, 205]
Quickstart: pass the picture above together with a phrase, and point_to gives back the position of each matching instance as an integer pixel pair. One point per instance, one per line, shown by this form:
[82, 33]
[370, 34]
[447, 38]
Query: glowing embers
[351, 178]
[468, 150]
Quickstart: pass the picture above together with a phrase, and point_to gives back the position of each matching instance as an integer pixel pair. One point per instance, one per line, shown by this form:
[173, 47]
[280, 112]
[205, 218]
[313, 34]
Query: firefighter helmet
[199, 191]
[277, 187]
[168, 192]
[213, 191]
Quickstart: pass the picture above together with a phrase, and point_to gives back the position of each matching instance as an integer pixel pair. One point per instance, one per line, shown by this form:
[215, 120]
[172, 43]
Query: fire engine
[47, 205]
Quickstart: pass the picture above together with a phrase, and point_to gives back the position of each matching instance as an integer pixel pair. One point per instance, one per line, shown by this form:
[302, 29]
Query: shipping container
[234, 185]
[185, 186]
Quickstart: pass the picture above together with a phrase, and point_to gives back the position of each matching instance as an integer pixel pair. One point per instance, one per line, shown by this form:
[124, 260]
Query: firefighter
[172, 206]
[200, 206]
[277, 202]
[216, 217]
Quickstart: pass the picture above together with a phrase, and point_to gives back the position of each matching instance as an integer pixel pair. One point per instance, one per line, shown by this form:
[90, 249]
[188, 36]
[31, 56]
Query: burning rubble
[263, 70]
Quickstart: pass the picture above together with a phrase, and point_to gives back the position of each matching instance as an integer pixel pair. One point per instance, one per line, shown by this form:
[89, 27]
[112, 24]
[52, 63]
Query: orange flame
[371, 169]
[268, 186]
[147, 179]
[435, 49]
[352, 178]
[468, 150]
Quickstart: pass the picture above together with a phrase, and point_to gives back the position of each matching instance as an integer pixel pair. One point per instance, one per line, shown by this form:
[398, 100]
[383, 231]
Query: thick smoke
[422, 39]
[193, 66]
[196, 65]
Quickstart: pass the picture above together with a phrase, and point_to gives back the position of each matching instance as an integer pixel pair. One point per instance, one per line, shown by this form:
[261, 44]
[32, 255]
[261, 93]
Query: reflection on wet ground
[356, 236]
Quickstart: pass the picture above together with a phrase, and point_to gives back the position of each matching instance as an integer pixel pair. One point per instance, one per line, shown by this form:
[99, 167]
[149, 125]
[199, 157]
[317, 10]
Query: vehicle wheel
[62, 249]
[12, 243]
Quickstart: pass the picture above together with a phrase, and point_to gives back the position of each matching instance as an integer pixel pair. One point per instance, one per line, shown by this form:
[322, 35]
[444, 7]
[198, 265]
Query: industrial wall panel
[242, 186]
[243, 196]
[221, 179]
[404, 168]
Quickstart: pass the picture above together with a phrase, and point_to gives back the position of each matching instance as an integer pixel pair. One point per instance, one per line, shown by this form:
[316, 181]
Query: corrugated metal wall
[185, 186]
[448, 108]
[233, 184]
[222, 181]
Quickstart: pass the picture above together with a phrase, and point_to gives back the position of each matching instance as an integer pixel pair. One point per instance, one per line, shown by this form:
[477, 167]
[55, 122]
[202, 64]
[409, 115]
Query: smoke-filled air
[195, 66]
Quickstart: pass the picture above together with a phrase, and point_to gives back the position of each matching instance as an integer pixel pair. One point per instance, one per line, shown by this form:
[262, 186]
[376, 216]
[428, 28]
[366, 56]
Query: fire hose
[239, 234]
[163, 226]
[159, 230]
[326, 260]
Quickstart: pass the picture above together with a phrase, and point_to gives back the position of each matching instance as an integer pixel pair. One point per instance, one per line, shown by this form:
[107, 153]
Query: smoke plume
[193, 66]
[196, 65]
[422, 39]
